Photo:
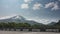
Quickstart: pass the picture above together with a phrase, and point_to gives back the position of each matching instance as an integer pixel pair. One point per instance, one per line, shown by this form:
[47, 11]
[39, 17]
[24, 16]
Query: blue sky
[42, 11]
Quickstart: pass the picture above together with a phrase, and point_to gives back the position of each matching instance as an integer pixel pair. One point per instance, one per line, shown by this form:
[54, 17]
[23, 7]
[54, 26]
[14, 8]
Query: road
[18, 32]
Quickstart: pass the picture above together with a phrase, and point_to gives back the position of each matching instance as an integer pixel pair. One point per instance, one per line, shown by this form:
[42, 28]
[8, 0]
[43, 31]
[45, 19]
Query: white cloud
[44, 21]
[24, 6]
[6, 17]
[56, 7]
[37, 6]
[27, 1]
[52, 5]
[59, 0]
[49, 5]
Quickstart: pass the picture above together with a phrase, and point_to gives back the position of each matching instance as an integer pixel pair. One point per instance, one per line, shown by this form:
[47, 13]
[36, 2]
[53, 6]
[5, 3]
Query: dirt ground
[18, 32]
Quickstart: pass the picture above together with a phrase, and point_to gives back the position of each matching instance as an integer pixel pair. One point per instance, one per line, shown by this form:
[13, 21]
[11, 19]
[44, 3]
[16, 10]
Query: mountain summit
[18, 19]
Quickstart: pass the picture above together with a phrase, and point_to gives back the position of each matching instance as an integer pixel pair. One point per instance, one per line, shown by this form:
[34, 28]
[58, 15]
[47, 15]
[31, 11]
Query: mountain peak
[18, 17]
[13, 17]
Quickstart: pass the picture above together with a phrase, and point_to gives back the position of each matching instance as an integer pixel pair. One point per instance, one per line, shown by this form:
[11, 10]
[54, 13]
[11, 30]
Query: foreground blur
[17, 32]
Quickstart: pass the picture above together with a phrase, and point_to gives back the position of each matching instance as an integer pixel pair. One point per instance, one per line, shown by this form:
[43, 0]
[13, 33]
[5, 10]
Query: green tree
[12, 25]
[35, 26]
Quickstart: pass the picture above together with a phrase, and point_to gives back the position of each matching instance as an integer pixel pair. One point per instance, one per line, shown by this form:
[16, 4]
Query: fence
[32, 30]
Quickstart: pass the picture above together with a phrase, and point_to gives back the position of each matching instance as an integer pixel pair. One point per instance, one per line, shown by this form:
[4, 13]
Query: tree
[35, 26]
[12, 25]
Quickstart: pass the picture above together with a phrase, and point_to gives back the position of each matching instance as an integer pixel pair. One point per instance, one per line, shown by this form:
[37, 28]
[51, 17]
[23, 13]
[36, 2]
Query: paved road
[17, 32]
